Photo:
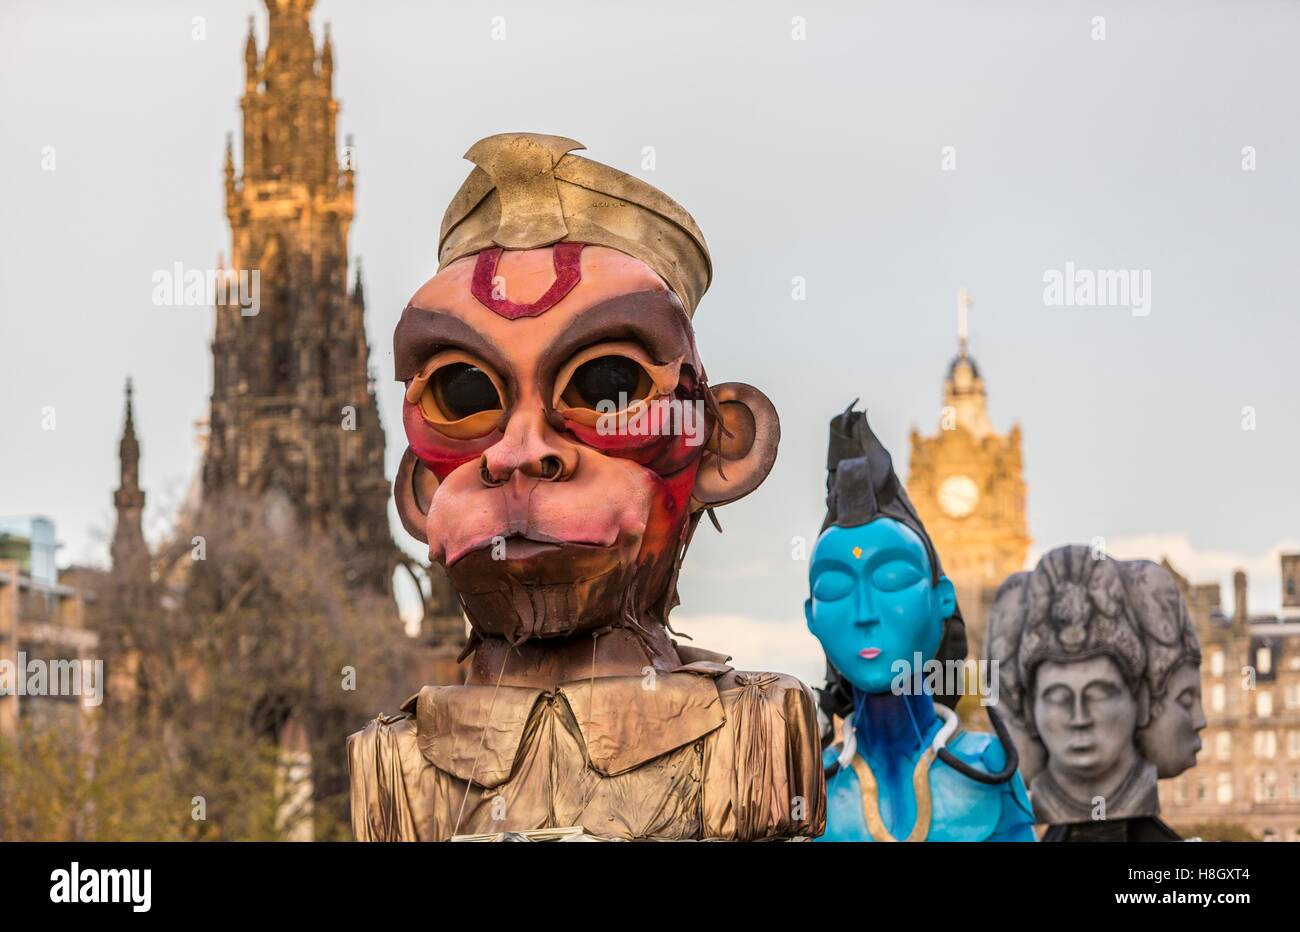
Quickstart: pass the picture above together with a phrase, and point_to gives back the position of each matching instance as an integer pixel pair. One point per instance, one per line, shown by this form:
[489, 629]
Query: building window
[1293, 744]
[1264, 703]
[1216, 663]
[1265, 786]
[1225, 788]
[1217, 697]
[1180, 790]
[1264, 660]
[1266, 745]
[1295, 784]
[1292, 694]
[1202, 790]
[1223, 745]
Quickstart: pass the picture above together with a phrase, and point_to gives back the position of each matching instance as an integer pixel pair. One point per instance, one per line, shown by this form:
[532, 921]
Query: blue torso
[962, 809]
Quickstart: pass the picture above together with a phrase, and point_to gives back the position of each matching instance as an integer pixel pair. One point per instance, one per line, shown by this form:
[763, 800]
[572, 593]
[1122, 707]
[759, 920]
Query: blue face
[873, 602]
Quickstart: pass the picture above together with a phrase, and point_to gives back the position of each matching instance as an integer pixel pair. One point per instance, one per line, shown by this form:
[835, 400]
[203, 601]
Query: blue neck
[888, 725]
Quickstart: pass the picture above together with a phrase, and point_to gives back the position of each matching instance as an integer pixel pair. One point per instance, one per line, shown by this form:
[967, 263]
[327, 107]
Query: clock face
[958, 496]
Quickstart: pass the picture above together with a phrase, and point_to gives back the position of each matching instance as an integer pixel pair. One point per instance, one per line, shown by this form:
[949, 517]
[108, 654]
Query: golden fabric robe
[703, 752]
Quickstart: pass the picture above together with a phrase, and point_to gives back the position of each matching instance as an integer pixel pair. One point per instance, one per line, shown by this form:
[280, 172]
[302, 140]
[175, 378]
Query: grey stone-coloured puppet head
[1098, 673]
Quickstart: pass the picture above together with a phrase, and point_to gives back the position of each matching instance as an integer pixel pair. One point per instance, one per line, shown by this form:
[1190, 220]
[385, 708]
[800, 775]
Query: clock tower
[967, 483]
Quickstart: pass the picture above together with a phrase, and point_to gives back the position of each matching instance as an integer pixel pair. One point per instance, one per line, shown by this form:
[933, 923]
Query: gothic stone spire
[293, 412]
[129, 553]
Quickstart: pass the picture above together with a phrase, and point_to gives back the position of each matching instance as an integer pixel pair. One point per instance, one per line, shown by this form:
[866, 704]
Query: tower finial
[129, 446]
[229, 171]
[358, 290]
[129, 553]
[327, 54]
[964, 302]
[250, 57]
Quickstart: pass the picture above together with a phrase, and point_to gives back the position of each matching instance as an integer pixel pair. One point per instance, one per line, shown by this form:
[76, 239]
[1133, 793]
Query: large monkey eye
[462, 390]
[458, 395]
[607, 383]
[611, 377]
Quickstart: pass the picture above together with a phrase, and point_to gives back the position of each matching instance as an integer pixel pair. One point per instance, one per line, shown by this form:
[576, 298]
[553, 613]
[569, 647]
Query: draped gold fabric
[703, 752]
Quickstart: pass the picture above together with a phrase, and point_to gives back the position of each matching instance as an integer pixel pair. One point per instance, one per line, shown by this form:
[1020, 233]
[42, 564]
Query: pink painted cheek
[662, 454]
[441, 454]
[677, 490]
[668, 515]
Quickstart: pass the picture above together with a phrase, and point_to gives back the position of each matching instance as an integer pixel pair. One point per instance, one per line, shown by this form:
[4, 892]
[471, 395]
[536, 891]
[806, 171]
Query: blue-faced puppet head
[878, 593]
[875, 601]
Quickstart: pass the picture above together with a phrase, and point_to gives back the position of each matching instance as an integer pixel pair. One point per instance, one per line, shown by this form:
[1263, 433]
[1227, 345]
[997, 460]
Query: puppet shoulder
[381, 806]
[773, 752]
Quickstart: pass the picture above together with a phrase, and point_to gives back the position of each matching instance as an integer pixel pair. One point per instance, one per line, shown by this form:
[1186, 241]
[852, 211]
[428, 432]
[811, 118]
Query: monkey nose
[550, 467]
[547, 468]
[488, 477]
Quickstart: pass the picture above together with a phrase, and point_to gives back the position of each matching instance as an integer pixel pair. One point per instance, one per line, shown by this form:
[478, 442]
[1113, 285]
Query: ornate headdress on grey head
[1168, 632]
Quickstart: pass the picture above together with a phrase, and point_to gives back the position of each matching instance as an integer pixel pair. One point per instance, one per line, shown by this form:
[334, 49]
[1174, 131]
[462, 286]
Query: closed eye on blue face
[896, 575]
[832, 585]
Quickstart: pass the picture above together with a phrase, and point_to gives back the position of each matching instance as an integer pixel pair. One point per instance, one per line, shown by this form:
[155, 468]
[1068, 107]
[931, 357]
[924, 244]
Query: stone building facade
[48, 674]
[1248, 771]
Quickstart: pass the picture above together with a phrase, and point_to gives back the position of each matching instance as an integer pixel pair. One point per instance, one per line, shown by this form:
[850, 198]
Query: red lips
[869, 653]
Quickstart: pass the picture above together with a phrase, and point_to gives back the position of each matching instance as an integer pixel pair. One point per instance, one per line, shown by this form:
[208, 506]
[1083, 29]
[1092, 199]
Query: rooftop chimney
[1239, 597]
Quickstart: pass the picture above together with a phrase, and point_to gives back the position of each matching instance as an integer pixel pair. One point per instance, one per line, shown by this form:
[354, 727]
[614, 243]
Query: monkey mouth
[530, 563]
[521, 547]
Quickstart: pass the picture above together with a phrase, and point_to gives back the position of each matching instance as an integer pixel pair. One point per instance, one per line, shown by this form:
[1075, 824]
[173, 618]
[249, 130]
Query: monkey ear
[413, 492]
[738, 459]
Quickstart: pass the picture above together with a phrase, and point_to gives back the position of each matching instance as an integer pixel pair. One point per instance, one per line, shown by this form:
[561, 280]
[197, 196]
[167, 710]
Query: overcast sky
[820, 158]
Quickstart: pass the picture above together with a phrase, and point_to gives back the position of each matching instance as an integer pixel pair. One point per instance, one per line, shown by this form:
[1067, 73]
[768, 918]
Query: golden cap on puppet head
[528, 191]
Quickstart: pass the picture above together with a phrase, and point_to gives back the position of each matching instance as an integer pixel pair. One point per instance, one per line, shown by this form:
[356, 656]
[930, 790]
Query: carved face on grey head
[1173, 671]
[1085, 714]
[1172, 740]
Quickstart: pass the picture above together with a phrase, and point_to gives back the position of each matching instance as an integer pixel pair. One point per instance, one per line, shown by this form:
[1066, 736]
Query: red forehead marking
[567, 258]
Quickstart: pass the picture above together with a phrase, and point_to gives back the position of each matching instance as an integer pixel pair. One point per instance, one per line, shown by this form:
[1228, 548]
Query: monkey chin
[553, 591]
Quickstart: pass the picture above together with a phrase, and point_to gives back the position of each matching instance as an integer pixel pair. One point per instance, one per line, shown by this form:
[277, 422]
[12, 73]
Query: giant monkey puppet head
[563, 437]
